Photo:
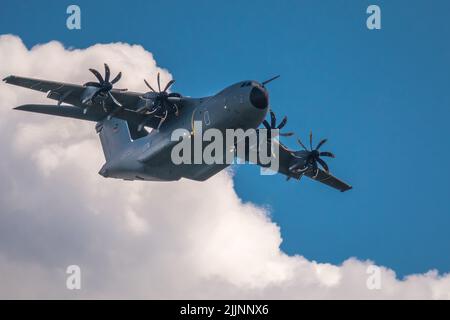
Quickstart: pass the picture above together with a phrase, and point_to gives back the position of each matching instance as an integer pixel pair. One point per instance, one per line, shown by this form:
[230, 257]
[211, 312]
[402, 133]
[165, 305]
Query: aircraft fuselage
[243, 105]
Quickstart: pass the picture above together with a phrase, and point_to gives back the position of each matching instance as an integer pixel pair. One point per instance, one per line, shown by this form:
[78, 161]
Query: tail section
[114, 136]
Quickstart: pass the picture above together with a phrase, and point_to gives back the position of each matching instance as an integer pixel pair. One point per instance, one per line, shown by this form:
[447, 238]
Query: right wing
[328, 179]
[286, 159]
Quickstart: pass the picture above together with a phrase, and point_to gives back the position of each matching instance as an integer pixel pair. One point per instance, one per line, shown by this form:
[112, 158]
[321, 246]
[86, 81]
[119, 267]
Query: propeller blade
[97, 75]
[114, 99]
[107, 73]
[149, 86]
[162, 120]
[95, 95]
[266, 124]
[321, 144]
[323, 164]
[286, 134]
[154, 109]
[296, 166]
[117, 78]
[142, 109]
[177, 110]
[159, 83]
[121, 90]
[282, 123]
[168, 85]
[273, 119]
[316, 173]
[92, 84]
[270, 80]
[301, 144]
[310, 140]
[315, 169]
[327, 154]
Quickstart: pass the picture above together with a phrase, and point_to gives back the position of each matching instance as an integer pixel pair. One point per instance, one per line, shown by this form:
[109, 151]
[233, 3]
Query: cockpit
[250, 84]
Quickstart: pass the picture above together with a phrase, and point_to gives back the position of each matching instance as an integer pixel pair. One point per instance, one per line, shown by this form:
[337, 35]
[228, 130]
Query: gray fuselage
[243, 105]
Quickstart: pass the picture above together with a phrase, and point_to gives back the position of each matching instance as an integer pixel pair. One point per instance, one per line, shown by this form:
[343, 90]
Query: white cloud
[139, 239]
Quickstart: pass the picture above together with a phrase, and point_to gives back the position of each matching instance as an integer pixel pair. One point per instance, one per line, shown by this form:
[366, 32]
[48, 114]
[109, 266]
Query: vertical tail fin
[114, 136]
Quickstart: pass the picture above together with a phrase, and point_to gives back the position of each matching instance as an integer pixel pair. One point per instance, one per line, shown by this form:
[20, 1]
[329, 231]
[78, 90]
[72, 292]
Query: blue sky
[381, 97]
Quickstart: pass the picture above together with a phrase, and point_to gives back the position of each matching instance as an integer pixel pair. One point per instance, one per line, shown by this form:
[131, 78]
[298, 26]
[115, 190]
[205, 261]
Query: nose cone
[259, 97]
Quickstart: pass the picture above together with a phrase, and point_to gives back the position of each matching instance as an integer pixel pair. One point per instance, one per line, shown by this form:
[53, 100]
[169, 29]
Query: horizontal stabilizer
[63, 111]
[96, 115]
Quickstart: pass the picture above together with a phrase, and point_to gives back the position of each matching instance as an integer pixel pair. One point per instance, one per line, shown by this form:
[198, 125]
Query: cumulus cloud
[135, 239]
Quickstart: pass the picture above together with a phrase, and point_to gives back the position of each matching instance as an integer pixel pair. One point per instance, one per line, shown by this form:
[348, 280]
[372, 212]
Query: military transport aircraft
[134, 153]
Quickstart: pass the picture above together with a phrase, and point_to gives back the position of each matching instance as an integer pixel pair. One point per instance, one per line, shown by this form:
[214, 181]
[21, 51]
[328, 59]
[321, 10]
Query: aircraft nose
[259, 97]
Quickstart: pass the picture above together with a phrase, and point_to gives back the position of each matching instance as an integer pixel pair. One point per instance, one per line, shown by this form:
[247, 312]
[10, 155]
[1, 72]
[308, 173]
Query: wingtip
[22, 108]
[7, 78]
[347, 189]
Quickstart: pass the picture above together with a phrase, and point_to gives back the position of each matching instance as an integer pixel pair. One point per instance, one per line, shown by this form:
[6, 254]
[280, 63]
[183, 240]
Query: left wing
[71, 93]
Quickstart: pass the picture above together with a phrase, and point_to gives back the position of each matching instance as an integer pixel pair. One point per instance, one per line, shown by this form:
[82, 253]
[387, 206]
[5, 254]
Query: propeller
[104, 86]
[273, 125]
[163, 100]
[310, 158]
[163, 103]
